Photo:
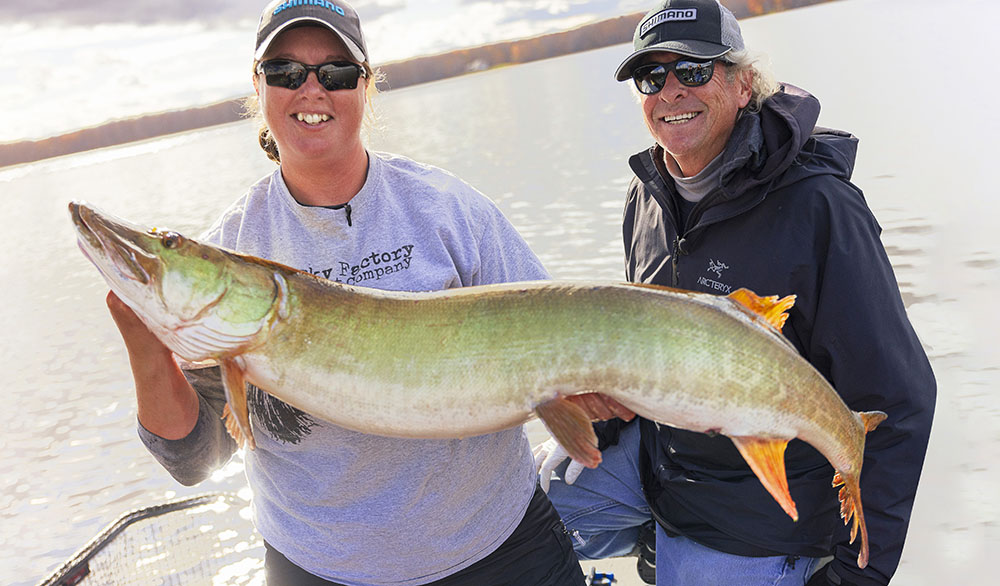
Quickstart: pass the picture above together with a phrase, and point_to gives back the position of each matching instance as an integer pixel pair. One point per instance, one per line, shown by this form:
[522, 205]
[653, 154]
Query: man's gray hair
[762, 84]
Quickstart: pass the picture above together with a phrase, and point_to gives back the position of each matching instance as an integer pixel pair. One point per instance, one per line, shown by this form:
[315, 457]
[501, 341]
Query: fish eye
[171, 240]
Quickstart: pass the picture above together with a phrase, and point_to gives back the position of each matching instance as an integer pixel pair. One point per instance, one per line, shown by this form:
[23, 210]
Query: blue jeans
[605, 508]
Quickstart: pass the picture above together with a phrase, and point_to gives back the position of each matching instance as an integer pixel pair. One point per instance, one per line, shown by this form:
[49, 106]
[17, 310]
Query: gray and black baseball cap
[702, 29]
[338, 16]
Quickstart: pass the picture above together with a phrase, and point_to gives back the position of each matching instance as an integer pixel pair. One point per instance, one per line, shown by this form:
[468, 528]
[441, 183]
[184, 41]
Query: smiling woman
[327, 500]
[292, 75]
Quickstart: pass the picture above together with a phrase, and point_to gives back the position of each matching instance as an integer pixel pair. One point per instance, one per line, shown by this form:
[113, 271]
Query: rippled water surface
[549, 142]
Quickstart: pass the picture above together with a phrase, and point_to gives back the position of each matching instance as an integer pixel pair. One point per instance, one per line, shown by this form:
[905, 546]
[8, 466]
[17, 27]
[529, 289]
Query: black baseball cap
[702, 29]
[338, 16]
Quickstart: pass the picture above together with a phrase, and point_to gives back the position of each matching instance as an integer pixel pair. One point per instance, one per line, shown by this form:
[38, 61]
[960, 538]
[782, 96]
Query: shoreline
[397, 75]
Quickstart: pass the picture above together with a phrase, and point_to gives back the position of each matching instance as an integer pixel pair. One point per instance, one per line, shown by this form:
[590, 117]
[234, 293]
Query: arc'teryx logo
[716, 267]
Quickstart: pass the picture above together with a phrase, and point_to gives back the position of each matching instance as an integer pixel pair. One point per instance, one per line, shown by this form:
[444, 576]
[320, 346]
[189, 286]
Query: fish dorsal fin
[771, 308]
[871, 419]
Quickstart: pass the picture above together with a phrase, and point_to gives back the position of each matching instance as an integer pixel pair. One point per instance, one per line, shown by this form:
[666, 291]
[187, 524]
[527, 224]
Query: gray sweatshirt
[354, 508]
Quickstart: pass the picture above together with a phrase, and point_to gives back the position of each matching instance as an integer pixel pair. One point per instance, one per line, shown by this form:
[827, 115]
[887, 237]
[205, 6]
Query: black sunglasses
[336, 75]
[650, 79]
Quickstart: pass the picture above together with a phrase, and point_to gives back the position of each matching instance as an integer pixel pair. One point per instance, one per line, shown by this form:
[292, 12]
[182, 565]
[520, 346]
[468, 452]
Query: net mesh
[204, 540]
[731, 36]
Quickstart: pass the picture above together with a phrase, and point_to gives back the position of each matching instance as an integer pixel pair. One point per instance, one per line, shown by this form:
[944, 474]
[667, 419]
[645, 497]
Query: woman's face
[310, 122]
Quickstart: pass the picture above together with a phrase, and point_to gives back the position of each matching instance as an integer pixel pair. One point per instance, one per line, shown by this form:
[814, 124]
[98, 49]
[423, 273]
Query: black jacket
[787, 220]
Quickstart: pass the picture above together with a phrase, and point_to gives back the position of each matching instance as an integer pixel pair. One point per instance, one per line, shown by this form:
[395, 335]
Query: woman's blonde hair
[251, 109]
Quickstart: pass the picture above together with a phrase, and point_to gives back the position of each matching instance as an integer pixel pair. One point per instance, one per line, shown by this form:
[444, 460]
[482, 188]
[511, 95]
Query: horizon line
[397, 74]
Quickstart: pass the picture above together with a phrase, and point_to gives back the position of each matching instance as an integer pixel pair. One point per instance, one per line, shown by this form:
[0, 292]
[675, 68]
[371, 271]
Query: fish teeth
[312, 118]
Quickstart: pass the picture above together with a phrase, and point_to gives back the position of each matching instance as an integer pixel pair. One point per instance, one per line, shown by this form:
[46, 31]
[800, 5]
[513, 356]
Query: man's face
[692, 124]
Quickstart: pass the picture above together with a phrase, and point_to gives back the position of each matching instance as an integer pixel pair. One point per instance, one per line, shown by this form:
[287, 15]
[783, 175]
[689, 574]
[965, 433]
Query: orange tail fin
[850, 493]
[850, 507]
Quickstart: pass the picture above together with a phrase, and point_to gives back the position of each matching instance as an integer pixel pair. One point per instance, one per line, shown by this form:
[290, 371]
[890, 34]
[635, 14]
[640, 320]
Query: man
[742, 189]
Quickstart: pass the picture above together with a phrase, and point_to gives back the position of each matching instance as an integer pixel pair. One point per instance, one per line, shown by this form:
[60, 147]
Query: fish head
[200, 300]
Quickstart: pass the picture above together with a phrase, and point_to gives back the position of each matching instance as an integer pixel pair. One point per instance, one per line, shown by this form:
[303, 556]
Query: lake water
[549, 142]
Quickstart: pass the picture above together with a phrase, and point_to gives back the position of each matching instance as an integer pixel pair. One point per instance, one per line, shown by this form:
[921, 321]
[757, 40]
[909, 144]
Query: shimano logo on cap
[668, 16]
[323, 3]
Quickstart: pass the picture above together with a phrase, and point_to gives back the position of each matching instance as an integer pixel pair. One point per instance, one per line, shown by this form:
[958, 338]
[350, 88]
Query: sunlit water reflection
[549, 142]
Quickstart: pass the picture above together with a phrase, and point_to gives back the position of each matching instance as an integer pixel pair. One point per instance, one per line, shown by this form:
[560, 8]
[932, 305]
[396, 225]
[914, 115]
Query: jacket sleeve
[863, 341]
[193, 458]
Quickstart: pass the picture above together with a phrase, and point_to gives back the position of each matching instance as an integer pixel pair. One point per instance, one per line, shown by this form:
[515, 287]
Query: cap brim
[355, 50]
[697, 49]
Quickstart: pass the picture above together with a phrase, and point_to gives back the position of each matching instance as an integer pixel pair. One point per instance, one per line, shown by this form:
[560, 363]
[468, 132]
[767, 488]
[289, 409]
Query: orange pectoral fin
[236, 413]
[771, 308]
[767, 460]
[570, 425]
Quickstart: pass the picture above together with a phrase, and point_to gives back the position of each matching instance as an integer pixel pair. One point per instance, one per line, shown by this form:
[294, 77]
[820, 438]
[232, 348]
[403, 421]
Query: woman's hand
[167, 404]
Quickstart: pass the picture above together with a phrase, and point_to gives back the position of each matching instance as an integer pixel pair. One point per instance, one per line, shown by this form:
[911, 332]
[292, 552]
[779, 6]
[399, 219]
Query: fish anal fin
[237, 413]
[871, 419]
[766, 458]
[771, 308]
[850, 508]
[570, 425]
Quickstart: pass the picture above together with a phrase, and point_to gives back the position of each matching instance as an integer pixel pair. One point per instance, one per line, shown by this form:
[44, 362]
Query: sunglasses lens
[650, 79]
[692, 73]
[286, 74]
[337, 76]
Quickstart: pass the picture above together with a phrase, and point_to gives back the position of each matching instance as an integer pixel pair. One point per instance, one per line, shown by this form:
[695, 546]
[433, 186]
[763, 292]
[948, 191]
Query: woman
[336, 506]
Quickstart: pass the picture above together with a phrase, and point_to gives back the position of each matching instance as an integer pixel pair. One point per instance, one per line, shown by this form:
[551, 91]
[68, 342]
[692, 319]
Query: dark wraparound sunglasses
[650, 79]
[336, 75]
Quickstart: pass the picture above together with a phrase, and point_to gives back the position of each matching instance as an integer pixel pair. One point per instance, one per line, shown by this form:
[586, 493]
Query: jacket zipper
[673, 260]
[679, 249]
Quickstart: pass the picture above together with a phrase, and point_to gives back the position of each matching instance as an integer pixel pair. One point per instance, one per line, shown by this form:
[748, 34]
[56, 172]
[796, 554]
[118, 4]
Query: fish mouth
[100, 236]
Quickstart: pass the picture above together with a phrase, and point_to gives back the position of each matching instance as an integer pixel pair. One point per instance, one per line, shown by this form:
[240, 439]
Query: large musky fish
[475, 360]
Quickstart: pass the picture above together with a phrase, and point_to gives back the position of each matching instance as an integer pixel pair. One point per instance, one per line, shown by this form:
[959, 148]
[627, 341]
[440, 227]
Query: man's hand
[600, 407]
[550, 454]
